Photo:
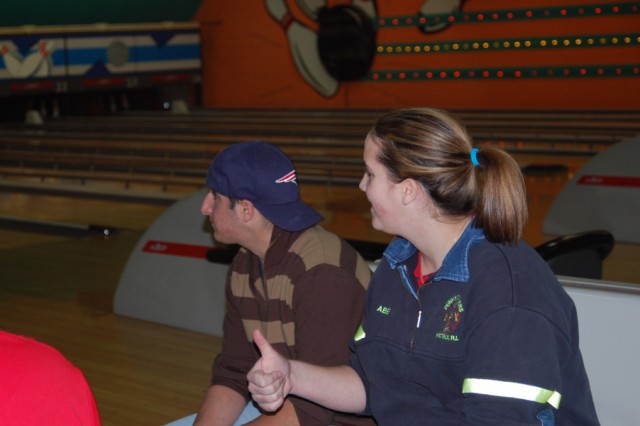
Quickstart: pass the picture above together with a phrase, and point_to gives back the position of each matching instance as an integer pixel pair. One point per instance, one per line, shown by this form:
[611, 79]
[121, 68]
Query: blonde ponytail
[431, 147]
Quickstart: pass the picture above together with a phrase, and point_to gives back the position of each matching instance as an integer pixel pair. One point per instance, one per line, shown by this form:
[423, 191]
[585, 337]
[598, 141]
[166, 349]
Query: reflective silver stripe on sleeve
[359, 334]
[512, 390]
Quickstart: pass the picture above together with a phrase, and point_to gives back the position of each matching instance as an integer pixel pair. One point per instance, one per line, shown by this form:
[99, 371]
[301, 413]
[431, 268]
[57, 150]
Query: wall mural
[35, 62]
[344, 45]
[97, 56]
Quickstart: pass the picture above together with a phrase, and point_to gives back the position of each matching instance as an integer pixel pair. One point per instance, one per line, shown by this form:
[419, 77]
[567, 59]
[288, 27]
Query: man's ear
[245, 210]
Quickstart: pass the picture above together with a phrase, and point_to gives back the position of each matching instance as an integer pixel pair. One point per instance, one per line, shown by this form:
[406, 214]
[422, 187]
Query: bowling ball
[346, 41]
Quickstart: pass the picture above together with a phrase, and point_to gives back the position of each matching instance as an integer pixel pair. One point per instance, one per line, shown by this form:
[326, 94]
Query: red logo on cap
[289, 177]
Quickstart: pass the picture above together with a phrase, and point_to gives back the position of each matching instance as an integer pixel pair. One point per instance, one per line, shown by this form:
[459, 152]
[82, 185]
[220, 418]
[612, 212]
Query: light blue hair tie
[474, 156]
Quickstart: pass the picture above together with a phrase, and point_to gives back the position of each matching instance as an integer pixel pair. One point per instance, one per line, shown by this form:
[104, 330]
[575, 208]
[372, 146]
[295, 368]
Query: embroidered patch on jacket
[453, 310]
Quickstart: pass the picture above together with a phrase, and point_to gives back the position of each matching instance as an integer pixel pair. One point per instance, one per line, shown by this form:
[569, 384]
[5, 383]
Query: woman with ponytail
[464, 322]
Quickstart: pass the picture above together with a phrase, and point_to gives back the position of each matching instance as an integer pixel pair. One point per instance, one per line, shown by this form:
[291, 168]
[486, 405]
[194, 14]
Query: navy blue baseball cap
[263, 174]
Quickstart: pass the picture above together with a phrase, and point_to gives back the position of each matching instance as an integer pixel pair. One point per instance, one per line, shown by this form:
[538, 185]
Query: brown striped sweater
[307, 298]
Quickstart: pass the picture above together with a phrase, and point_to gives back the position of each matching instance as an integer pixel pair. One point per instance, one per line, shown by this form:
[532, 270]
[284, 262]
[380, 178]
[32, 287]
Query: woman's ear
[409, 190]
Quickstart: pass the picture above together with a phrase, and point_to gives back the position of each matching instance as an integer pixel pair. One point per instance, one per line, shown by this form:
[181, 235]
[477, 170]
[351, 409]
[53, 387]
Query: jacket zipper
[418, 321]
[402, 271]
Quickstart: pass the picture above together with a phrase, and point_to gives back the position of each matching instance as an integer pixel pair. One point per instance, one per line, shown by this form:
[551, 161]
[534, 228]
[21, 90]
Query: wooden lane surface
[119, 154]
[363, 119]
[183, 161]
[540, 127]
[345, 209]
[185, 151]
[171, 149]
[523, 125]
[352, 124]
[60, 290]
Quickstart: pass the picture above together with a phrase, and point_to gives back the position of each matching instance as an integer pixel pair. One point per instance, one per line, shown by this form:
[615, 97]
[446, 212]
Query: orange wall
[248, 63]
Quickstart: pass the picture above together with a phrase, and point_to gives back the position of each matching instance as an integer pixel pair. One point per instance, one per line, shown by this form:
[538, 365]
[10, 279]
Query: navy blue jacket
[492, 340]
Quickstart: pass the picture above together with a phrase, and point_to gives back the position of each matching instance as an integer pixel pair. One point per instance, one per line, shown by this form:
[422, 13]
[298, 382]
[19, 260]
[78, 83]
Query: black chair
[578, 255]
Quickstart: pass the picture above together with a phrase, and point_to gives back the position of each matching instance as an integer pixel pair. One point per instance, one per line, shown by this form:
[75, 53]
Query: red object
[597, 180]
[176, 249]
[32, 86]
[39, 386]
[105, 82]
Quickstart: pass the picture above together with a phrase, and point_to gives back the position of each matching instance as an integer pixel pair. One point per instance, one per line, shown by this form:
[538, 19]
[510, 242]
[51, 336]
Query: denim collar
[455, 264]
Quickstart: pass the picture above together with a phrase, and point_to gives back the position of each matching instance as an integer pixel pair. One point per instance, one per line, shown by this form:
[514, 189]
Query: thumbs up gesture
[269, 379]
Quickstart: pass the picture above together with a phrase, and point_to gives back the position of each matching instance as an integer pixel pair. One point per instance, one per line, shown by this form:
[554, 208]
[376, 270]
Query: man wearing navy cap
[302, 286]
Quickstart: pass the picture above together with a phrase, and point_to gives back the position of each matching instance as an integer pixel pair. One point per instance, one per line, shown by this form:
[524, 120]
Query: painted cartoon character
[37, 63]
[315, 62]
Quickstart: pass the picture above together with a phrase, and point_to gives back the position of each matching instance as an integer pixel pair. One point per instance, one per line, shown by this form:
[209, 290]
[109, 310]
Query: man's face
[224, 219]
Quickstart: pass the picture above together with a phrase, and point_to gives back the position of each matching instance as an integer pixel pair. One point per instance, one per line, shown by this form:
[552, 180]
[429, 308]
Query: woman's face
[382, 193]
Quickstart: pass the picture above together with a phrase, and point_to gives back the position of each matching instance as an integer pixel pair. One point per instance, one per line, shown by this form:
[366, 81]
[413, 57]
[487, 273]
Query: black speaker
[346, 41]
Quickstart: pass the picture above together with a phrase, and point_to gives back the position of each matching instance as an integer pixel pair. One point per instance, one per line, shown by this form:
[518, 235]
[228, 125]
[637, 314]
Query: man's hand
[269, 379]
